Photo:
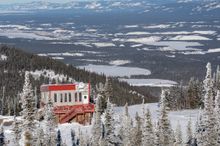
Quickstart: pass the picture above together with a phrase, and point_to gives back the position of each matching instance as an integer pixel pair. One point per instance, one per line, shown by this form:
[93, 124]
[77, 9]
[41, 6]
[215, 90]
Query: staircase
[70, 112]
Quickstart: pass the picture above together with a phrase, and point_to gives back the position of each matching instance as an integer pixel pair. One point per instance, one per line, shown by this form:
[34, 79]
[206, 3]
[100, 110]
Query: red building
[71, 101]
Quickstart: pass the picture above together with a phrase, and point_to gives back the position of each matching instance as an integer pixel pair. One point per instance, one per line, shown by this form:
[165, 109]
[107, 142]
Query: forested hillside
[15, 62]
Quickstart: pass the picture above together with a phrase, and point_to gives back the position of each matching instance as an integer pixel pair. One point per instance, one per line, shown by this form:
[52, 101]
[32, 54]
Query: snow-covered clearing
[189, 38]
[176, 116]
[161, 26]
[3, 57]
[119, 62]
[98, 45]
[182, 116]
[145, 40]
[62, 54]
[49, 74]
[150, 82]
[116, 71]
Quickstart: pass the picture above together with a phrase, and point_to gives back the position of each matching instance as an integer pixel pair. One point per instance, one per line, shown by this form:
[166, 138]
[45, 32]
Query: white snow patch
[99, 45]
[145, 40]
[119, 62]
[161, 26]
[130, 26]
[49, 74]
[3, 57]
[116, 71]
[214, 50]
[58, 58]
[189, 38]
[138, 33]
[150, 82]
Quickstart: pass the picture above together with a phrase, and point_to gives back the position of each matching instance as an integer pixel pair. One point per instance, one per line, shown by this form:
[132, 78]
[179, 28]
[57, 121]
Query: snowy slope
[178, 116]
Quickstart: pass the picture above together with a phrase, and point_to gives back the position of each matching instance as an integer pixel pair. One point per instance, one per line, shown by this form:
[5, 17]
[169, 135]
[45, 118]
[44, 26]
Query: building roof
[57, 87]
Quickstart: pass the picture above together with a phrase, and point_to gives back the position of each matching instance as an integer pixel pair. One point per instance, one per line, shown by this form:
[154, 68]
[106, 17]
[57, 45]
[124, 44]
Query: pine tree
[189, 136]
[210, 133]
[51, 124]
[108, 89]
[178, 135]
[156, 135]
[59, 139]
[17, 131]
[110, 138]
[28, 112]
[73, 137]
[217, 114]
[126, 128]
[2, 136]
[40, 137]
[96, 124]
[102, 97]
[165, 131]
[28, 108]
[148, 134]
[137, 131]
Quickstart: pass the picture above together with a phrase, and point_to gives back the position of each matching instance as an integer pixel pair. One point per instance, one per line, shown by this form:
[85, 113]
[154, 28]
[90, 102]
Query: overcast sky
[25, 1]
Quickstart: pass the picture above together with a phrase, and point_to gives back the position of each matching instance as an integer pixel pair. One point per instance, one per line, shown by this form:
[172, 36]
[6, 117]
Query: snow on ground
[99, 45]
[176, 116]
[119, 62]
[116, 71]
[214, 50]
[49, 74]
[130, 26]
[161, 26]
[145, 40]
[58, 58]
[138, 33]
[182, 116]
[3, 57]
[150, 82]
[189, 38]
[177, 45]
[61, 54]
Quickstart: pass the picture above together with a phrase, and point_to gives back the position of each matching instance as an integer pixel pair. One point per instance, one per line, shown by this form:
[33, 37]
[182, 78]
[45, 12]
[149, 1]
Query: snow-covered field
[116, 71]
[150, 82]
[177, 116]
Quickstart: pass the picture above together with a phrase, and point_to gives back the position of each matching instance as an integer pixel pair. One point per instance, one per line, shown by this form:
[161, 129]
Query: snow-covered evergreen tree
[126, 128]
[189, 136]
[51, 124]
[156, 135]
[178, 135]
[110, 137]
[165, 131]
[59, 139]
[28, 111]
[217, 114]
[28, 108]
[208, 117]
[148, 134]
[137, 131]
[108, 89]
[40, 137]
[73, 137]
[96, 124]
[17, 131]
[2, 136]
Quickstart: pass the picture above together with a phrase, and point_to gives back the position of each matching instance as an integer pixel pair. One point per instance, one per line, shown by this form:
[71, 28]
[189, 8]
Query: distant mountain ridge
[107, 5]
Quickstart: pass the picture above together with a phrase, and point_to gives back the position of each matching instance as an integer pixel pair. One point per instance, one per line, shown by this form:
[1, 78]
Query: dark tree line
[12, 78]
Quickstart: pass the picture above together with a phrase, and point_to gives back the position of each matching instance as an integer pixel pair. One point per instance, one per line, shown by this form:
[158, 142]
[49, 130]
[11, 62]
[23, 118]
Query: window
[85, 97]
[75, 97]
[55, 97]
[70, 99]
[61, 97]
[65, 99]
[80, 97]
